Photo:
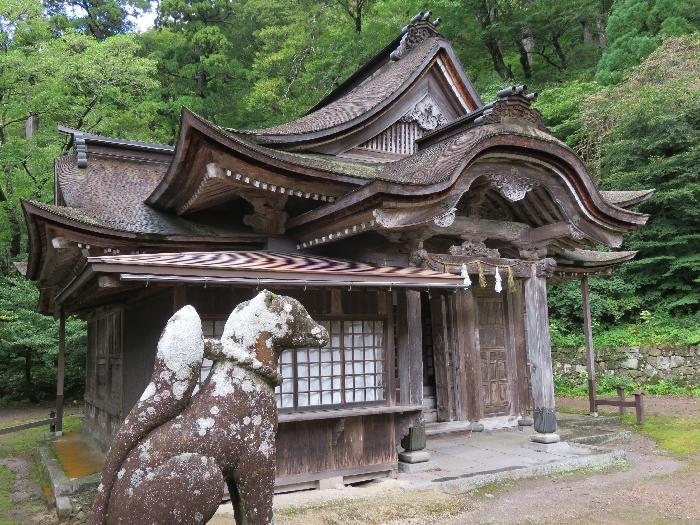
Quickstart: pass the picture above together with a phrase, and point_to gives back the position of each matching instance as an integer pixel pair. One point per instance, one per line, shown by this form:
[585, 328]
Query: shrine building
[417, 223]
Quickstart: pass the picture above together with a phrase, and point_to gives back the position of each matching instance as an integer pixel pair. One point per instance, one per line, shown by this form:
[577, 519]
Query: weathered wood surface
[496, 361]
[410, 350]
[540, 353]
[467, 312]
[442, 363]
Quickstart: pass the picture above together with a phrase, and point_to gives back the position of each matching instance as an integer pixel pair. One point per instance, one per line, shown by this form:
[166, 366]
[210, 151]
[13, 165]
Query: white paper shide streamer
[498, 288]
[465, 274]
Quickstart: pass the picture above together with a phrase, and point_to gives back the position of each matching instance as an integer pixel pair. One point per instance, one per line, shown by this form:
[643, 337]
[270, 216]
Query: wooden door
[495, 384]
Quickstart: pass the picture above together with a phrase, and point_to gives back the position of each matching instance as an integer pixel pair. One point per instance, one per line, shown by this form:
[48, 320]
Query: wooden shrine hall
[417, 223]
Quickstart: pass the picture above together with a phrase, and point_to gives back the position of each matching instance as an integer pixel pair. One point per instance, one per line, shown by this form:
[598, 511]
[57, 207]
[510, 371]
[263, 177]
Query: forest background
[619, 81]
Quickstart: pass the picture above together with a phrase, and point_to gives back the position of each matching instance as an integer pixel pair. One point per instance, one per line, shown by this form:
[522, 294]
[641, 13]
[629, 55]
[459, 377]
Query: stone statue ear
[269, 297]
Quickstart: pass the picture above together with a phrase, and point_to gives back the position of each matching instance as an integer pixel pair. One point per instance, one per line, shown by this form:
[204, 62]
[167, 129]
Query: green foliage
[29, 346]
[635, 29]
[606, 386]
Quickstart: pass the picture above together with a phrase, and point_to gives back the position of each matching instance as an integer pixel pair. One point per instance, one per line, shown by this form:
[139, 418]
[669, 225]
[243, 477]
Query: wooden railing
[622, 403]
[32, 424]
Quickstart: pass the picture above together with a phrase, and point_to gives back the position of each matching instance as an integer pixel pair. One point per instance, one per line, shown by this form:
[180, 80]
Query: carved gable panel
[400, 138]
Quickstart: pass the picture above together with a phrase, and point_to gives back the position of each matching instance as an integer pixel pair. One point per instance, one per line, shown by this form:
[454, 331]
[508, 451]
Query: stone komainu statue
[171, 456]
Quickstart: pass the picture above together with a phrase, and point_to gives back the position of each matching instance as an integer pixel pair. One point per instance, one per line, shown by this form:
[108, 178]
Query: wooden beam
[410, 348]
[60, 370]
[540, 353]
[590, 350]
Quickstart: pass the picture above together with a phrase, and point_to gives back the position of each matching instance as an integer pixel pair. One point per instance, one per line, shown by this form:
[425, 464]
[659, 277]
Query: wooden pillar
[471, 353]
[590, 350]
[410, 348]
[443, 383]
[540, 354]
[60, 370]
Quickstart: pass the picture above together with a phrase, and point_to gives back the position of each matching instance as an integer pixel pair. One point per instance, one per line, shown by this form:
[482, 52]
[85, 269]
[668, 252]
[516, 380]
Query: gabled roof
[371, 89]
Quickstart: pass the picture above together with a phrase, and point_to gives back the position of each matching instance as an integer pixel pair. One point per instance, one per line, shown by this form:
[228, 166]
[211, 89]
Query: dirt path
[655, 489]
[27, 504]
[681, 406]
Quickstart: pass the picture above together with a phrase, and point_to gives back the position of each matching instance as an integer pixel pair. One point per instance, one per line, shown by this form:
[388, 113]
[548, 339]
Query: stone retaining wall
[642, 364]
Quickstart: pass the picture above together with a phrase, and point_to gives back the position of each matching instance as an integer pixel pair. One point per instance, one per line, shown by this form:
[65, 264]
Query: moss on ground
[678, 435]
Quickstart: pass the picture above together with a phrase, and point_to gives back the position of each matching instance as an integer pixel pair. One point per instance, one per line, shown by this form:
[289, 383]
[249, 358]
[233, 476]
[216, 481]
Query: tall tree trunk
[13, 218]
[486, 16]
[30, 394]
[524, 59]
[503, 70]
[558, 50]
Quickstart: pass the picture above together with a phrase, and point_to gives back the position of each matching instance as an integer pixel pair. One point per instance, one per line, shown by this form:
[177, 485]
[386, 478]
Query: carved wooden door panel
[495, 389]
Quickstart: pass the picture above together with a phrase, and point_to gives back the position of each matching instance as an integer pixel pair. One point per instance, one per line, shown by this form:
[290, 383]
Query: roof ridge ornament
[512, 103]
[418, 29]
[81, 150]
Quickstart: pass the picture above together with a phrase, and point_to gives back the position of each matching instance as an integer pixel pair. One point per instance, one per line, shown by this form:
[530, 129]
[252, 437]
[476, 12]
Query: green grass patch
[678, 435]
[20, 444]
[7, 482]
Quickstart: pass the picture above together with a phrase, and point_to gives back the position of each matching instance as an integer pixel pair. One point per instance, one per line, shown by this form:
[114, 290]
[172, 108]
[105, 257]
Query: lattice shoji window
[349, 369]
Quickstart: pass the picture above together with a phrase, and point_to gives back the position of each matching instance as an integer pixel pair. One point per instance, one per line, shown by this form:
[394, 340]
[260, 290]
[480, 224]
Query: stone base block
[553, 448]
[545, 438]
[331, 483]
[412, 468]
[526, 421]
[415, 456]
[63, 508]
[475, 426]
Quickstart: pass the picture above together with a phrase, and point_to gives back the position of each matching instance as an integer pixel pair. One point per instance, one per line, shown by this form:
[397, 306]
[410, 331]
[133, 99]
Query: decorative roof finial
[418, 29]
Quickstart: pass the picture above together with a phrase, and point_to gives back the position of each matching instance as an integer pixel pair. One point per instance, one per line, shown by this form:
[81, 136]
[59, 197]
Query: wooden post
[409, 337]
[471, 354]
[410, 348]
[621, 395]
[639, 406]
[60, 370]
[590, 351]
[540, 355]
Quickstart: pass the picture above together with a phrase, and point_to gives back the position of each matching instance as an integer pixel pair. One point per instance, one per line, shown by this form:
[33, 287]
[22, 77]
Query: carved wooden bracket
[269, 216]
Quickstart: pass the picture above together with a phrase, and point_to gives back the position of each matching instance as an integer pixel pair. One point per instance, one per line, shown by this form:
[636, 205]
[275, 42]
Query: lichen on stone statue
[172, 454]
